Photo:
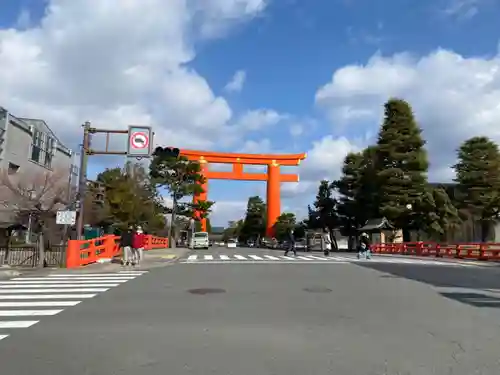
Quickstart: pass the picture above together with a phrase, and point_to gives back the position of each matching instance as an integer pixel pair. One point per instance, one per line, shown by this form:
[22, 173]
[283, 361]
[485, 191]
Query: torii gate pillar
[273, 197]
[273, 176]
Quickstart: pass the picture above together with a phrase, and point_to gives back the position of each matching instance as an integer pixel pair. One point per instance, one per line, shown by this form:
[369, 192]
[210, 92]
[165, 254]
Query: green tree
[233, 230]
[357, 188]
[285, 222]
[401, 164]
[325, 214]
[254, 224]
[478, 178]
[182, 178]
[130, 198]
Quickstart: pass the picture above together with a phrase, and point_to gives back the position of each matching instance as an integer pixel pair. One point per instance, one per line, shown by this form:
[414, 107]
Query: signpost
[139, 141]
[66, 217]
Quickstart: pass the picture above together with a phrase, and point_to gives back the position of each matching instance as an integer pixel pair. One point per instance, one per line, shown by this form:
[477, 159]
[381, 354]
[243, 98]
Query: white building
[29, 148]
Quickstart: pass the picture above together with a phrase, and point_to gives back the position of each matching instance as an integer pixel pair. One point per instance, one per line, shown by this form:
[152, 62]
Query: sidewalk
[152, 259]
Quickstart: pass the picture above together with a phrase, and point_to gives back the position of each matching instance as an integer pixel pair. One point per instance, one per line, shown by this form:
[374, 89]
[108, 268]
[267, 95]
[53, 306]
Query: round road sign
[139, 140]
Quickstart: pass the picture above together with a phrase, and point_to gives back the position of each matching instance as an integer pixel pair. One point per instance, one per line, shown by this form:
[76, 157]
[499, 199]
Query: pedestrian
[364, 246]
[291, 243]
[327, 240]
[126, 239]
[139, 241]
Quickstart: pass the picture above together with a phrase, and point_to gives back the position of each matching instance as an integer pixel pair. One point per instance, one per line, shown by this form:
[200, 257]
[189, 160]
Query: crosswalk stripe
[209, 257]
[255, 257]
[58, 285]
[303, 258]
[118, 278]
[40, 304]
[240, 257]
[29, 312]
[318, 258]
[271, 257]
[121, 274]
[225, 257]
[193, 257]
[17, 324]
[60, 282]
[54, 290]
[3, 337]
[46, 296]
[287, 258]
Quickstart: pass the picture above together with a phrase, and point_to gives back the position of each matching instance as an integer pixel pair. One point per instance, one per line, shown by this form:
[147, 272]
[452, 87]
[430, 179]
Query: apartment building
[29, 147]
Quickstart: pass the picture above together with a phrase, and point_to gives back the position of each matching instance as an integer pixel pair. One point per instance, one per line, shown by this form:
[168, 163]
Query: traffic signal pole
[140, 132]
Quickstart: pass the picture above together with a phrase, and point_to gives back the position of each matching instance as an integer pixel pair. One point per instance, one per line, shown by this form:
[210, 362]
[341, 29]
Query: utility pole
[82, 180]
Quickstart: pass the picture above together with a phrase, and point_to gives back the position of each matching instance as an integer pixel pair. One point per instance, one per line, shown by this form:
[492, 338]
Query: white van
[200, 241]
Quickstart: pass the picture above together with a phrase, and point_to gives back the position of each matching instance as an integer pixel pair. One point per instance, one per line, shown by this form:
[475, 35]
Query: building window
[43, 148]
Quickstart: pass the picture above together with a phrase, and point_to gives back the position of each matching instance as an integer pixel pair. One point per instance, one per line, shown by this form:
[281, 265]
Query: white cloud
[259, 119]
[237, 82]
[262, 146]
[92, 60]
[218, 15]
[462, 9]
[323, 161]
[225, 211]
[454, 98]
[296, 130]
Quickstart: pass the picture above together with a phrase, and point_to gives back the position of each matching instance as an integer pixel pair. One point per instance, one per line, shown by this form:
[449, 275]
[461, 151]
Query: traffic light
[167, 152]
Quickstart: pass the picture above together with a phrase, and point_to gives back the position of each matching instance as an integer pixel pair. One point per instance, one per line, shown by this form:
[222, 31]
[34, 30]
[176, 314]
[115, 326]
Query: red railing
[476, 251]
[83, 252]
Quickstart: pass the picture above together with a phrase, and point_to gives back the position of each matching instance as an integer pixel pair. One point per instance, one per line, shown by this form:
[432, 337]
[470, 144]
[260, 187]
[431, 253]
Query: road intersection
[368, 317]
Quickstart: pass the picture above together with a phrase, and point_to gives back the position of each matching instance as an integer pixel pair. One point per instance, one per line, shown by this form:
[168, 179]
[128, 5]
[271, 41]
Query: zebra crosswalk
[311, 259]
[24, 300]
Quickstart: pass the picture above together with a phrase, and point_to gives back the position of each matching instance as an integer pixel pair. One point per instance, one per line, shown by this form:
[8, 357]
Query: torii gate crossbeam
[273, 176]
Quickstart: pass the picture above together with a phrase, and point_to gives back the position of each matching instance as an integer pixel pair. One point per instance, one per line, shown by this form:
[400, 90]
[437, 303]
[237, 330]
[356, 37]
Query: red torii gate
[273, 176]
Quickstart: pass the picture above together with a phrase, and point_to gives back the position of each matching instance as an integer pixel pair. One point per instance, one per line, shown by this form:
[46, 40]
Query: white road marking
[116, 279]
[3, 337]
[50, 282]
[17, 324]
[29, 312]
[54, 290]
[193, 257]
[271, 257]
[240, 257]
[118, 274]
[58, 285]
[263, 262]
[225, 257]
[209, 257]
[40, 304]
[317, 258]
[255, 257]
[47, 296]
[287, 258]
[303, 258]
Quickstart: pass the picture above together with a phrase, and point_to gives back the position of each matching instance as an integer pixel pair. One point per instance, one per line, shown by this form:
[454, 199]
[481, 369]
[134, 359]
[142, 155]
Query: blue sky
[289, 50]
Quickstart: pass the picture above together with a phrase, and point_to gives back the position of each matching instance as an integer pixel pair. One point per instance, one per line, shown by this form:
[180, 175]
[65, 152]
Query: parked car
[231, 243]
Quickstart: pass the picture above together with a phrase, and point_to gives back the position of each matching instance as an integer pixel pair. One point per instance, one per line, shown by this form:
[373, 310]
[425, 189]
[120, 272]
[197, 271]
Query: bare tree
[32, 199]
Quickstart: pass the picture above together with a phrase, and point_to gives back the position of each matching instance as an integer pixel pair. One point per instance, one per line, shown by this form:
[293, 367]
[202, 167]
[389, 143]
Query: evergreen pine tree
[401, 164]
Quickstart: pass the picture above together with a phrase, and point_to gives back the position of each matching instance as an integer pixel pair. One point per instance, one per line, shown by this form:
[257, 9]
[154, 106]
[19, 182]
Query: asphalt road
[273, 318]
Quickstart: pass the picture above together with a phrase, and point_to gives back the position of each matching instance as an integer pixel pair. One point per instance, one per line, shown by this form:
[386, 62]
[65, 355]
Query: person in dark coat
[291, 243]
[126, 243]
[364, 246]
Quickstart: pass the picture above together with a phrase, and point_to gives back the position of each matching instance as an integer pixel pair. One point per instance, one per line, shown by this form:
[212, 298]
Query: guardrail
[476, 251]
[83, 252]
